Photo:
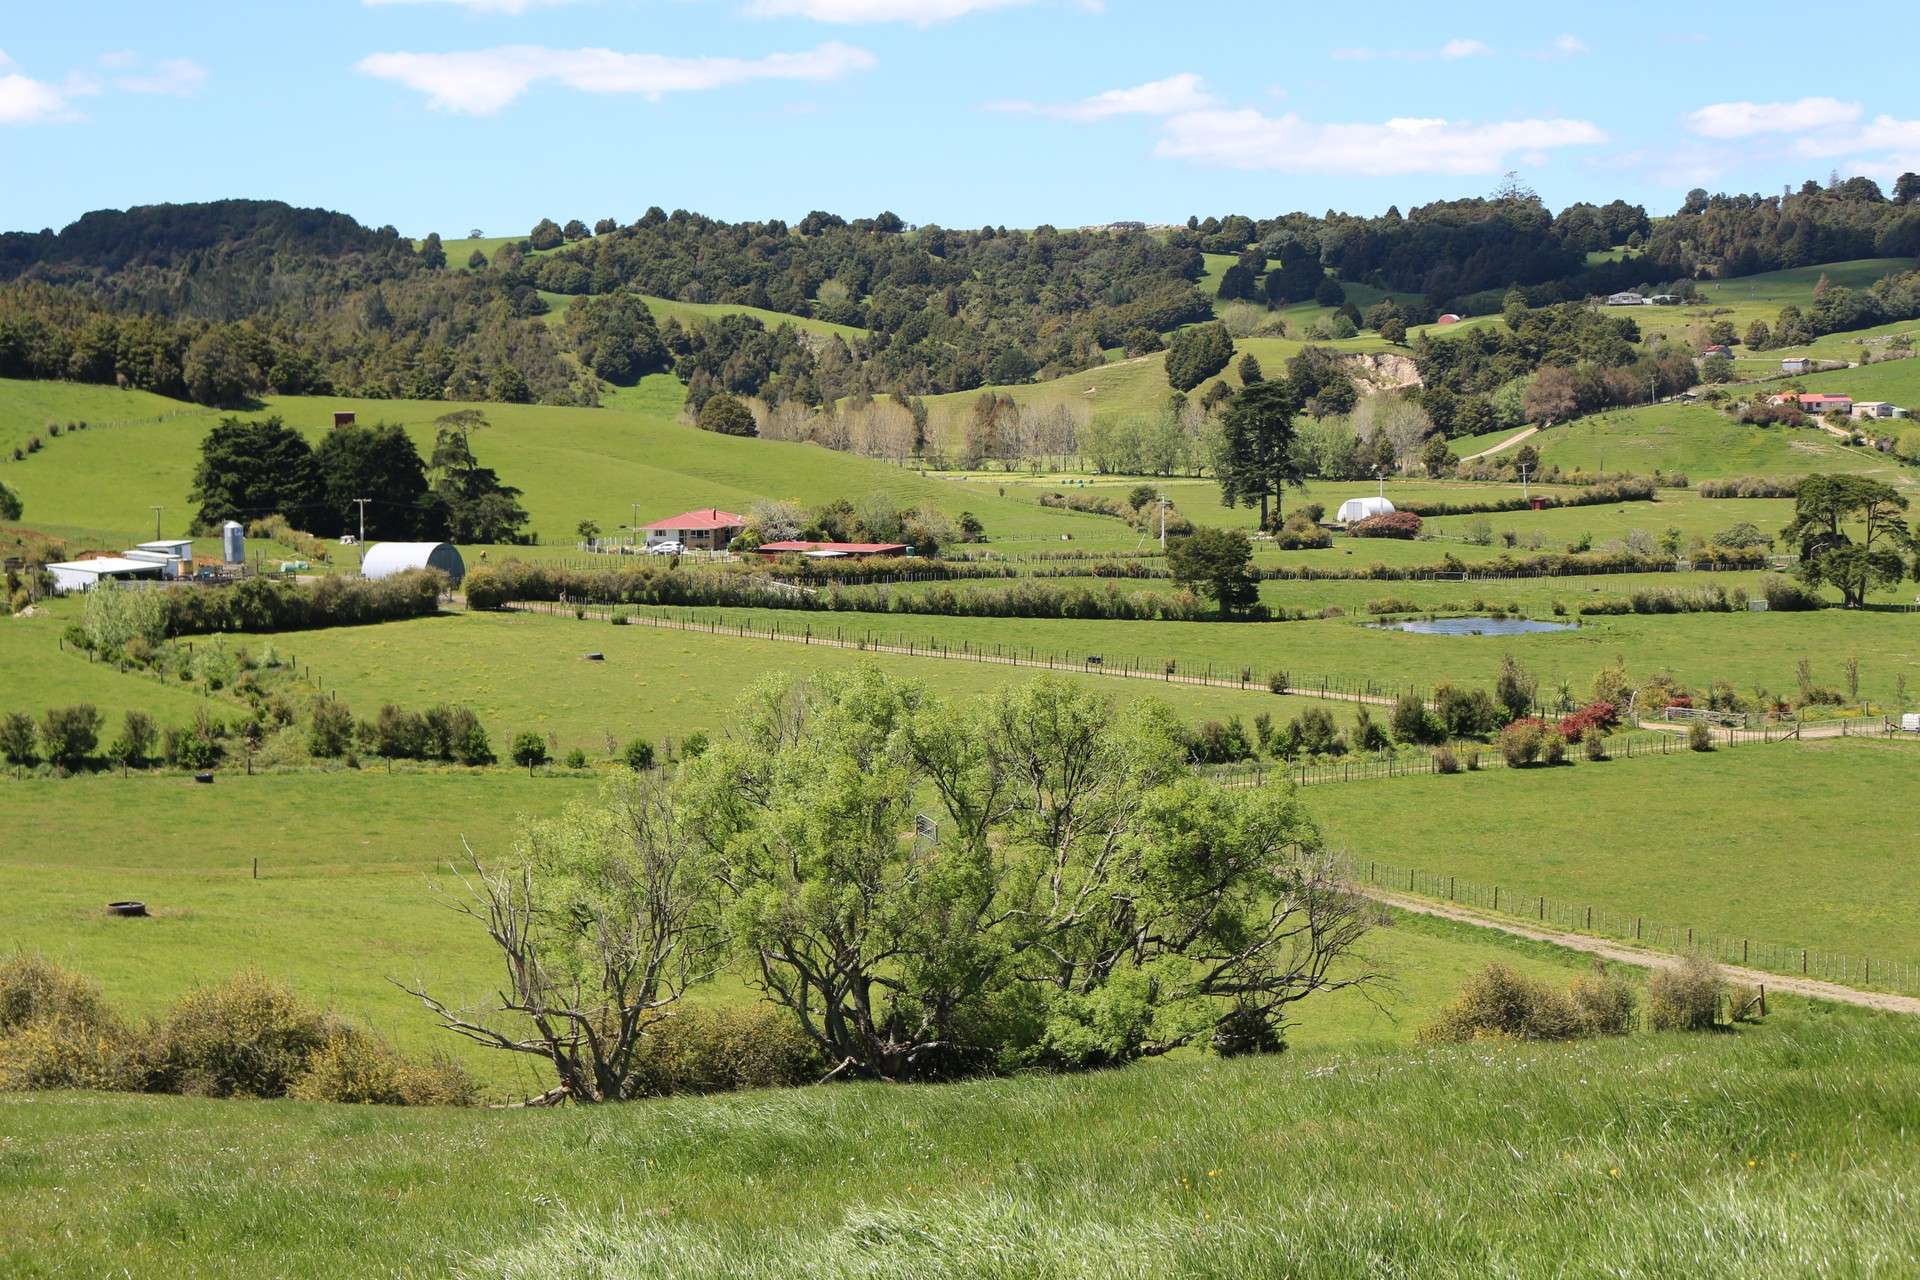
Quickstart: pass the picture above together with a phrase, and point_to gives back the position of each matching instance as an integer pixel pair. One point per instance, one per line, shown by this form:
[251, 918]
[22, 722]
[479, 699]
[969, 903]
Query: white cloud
[1570, 45]
[169, 77]
[1250, 139]
[483, 81]
[1747, 119]
[511, 8]
[1452, 51]
[920, 12]
[1170, 96]
[24, 101]
[1882, 133]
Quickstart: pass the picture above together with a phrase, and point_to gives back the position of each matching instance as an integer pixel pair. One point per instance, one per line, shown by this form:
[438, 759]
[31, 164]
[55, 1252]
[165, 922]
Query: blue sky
[453, 114]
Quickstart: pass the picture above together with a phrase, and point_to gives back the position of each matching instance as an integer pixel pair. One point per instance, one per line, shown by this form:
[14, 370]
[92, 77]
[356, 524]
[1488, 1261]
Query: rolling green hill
[571, 464]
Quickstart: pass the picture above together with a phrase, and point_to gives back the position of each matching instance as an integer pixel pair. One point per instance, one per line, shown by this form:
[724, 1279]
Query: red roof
[844, 548]
[1821, 397]
[704, 518]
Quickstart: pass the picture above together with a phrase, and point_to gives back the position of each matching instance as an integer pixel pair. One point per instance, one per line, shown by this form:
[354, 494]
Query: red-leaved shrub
[1595, 715]
[1393, 524]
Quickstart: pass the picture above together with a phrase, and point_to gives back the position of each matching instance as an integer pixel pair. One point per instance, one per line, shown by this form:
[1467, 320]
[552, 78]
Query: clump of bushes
[1391, 524]
[1501, 1004]
[1699, 736]
[265, 604]
[1595, 717]
[1685, 996]
[720, 1050]
[1302, 532]
[247, 1037]
[1525, 741]
[1751, 487]
[1784, 595]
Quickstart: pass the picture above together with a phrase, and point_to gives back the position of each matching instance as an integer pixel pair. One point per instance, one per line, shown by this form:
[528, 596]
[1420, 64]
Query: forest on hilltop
[223, 302]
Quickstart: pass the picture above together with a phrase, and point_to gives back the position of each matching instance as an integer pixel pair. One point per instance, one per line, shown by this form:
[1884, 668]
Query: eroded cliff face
[1381, 371]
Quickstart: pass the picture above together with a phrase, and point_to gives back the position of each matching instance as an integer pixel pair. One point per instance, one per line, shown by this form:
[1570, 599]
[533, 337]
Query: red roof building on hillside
[705, 529]
[826, 549]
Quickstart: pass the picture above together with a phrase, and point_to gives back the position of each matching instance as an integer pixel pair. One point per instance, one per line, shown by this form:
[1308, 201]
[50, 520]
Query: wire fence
[1577, 916]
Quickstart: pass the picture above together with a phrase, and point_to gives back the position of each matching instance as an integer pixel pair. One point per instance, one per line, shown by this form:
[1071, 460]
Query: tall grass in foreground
[1780, 1150]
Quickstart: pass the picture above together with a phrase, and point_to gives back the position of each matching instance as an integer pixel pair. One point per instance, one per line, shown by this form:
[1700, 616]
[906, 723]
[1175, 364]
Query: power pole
[633, 524]
[1523, 482]
[156, 522]
[362, 504]
[1163, 523]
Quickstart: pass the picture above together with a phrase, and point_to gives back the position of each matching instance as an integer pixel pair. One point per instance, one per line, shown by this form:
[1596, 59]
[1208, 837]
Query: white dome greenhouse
[388, 558]
[1355, 509]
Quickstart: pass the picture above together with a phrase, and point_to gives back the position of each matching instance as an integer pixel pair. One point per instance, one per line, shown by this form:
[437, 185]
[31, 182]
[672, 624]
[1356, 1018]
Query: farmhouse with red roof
[707, 529]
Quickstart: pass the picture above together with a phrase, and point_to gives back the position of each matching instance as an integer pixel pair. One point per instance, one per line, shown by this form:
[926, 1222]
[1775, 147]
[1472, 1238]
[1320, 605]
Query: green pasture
[520, 671]
[1802, 844]
[27, 408]
[1745, 649]
[1703, 443]
[345, 898]
[37, 673]
[1779, 1149]
[572, 464]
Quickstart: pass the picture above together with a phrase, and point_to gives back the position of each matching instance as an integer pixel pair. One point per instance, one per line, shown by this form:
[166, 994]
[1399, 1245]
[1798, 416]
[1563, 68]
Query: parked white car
[665, 549]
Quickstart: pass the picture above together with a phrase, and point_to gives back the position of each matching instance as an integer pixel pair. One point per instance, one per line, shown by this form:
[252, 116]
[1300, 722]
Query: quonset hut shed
[385, 559]
[1355, 509]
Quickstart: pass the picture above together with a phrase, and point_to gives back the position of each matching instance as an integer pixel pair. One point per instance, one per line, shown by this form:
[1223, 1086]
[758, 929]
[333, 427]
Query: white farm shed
[85, 575]
[1355, 509]
[388, 558]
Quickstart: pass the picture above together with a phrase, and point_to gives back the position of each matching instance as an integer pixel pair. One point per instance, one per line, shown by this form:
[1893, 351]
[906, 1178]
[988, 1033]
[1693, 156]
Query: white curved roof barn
[1354, 509]
[385, 559]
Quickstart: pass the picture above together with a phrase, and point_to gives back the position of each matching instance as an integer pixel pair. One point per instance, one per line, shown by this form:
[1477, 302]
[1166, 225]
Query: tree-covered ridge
[949, 310]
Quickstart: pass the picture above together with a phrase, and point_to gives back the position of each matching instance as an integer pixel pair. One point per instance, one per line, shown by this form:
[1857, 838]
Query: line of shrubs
[1751, 487]
[69, 738]
[266, 604]
[1625, 489]
[1500, 1004]
[519, 580]
[1546, 564]
[1782, 595]
[251, 1037]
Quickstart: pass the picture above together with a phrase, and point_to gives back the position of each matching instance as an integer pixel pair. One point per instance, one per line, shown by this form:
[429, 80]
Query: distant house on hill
[1448, 318]
[707, 529]
[1716, 349]
[1814, 402]
[1796, 364]
[1626, 298]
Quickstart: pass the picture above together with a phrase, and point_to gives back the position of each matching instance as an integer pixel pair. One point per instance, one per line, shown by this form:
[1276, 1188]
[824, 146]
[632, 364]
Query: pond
[1473, 626]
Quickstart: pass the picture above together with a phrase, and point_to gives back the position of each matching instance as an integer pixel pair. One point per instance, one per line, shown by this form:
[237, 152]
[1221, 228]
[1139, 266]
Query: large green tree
[1196, 354]
[1254, 458]
[1851, 532]
[472, 503]
[726, 415]
[253, 468]
[379, 463]
[616, 337]
[1217, 562]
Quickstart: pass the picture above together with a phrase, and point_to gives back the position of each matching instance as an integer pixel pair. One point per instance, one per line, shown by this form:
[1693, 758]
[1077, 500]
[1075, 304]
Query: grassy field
[1704, 444]
[1783, 1149]
[27, 408]
[571, 463]
[343, 901]
[525, 672]
[35, 673]
[1745, 649]
[1796, 844]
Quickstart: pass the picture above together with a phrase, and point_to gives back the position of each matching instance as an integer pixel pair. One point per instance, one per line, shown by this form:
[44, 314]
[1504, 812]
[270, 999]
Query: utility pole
[1523, 482]
[1163, 522]
[156, 522]
[633, 524]
[1381, 476]
[362, 545]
